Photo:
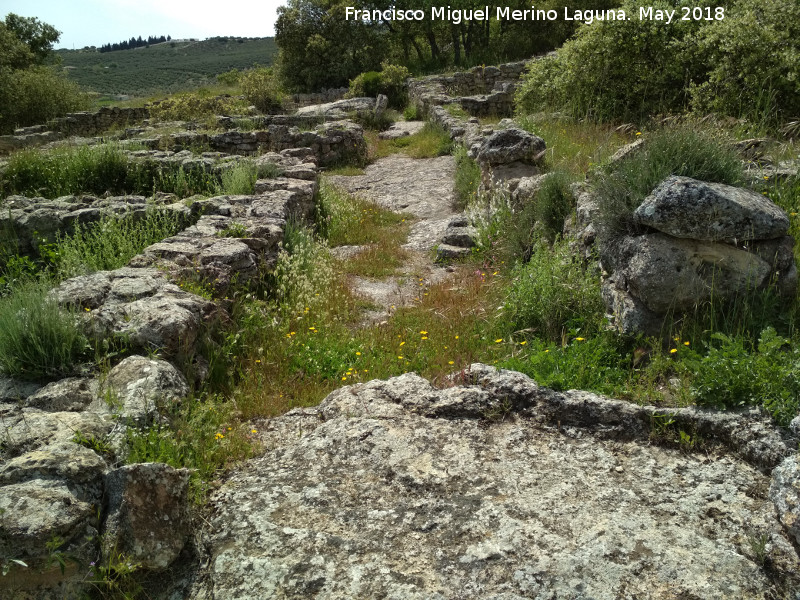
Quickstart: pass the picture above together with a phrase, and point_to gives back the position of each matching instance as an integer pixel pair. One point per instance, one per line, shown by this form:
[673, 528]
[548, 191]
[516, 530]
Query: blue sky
[96, 22]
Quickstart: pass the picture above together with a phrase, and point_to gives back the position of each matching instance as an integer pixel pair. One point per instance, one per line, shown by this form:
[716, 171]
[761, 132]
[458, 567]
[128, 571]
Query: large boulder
[784, 492]
[492, 488]
[139, 387]
[147, 514]
[510, 145]
[668, 273]
[687, 208]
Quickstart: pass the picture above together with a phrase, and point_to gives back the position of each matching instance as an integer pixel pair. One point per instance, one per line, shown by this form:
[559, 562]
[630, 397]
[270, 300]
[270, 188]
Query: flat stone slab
[402, 129]
[395, 489]
[687, 208]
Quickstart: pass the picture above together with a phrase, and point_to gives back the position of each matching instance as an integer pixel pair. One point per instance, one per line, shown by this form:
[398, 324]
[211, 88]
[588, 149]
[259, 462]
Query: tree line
[321, 48]
[134, 43]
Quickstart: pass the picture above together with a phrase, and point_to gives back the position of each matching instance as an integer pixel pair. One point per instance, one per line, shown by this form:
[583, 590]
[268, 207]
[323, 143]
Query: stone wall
[481, 91]
[331, 143]
[50, 485]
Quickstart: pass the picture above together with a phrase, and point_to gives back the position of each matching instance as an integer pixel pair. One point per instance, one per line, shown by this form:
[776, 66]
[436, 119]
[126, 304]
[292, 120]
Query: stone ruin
[57, 479]
[705, 242]
[481, 91]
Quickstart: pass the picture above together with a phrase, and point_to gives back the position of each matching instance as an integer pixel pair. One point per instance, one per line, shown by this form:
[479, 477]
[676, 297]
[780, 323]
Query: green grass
[467, 178]
[38, 340]
[433, 140]
[111, 242]
[164, 68]
[98, 170]
[574, 146]
[680, 151]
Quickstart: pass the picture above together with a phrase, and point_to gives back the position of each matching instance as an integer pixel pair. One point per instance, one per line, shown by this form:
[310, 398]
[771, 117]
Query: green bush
[36, 95]
[617, 69]
[752, 57]
[553, 294]
[366, 85]
[733, 374]
[744, 65]
[261, 89]
[196, 105]
[37, 338]
[390, 81]
[681, 151]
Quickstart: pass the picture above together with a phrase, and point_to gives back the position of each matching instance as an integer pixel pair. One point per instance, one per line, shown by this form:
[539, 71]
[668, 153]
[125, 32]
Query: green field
[168, 67]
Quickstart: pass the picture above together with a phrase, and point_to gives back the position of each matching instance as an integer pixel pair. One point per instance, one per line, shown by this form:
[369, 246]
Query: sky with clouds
[96, 22]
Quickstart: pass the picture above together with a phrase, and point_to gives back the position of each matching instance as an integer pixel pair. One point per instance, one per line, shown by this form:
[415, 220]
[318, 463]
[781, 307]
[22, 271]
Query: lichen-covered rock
[784, 492]
[31, 428]
[36, 511]
[510, 145]
[138, 387]
[492, 488]
[339, 109]
[147, 514]
[687, 208]
[71, 394]
[667, 273]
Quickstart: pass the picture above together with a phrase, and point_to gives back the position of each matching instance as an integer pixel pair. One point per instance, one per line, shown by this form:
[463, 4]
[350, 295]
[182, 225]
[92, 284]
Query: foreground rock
[499, 489]
[688, 208]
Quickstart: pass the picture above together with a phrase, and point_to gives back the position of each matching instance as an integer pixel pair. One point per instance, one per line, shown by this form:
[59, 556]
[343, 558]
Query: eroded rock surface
[688, 208]
[396, 489]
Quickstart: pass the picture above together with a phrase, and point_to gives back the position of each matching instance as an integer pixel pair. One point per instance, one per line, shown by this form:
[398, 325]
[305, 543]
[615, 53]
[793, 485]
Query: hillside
[167, 67]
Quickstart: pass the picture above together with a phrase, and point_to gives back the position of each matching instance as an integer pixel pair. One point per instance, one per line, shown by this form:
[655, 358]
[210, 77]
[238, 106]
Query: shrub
[391, 81]
[36, 95]
[38, 339]
[682, 151]
[732, 375]
[617, 69]
[552, 294]
[752, 56]
[230, 78]
[190, 106]
[261, 89]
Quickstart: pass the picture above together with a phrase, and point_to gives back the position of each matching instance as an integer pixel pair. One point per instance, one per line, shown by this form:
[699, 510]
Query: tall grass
[111, 242]
[681, 151]
[38, 339]
[467, 178]
[553, 294]
[98, 170]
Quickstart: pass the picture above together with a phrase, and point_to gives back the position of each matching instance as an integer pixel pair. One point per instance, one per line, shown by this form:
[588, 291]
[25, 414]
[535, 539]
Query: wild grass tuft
[111, 242]
[681, 151]
[553, 294]
[38, 339]
[467, 178]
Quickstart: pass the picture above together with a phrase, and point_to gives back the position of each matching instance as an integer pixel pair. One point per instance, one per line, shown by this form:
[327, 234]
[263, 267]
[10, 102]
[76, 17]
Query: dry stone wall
[50, 485]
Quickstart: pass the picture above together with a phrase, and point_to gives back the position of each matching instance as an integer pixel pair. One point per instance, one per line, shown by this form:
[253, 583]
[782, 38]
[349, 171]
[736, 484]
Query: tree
[37, 36]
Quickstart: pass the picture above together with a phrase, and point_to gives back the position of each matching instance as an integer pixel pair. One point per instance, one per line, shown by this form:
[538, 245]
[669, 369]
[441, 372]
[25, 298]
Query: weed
[93, 443]
[111, 242]
[553, 294]
[411, 113]
[758, 546]
[234, 230]
[680, 151]
[467, 178]
[38, 339]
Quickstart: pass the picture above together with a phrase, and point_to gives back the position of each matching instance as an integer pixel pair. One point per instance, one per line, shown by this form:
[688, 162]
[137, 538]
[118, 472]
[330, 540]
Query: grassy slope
[162, 68]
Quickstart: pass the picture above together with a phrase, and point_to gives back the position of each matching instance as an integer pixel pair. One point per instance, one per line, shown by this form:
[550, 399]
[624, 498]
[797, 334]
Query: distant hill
[166, 67]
